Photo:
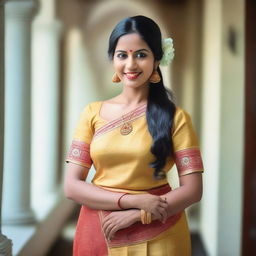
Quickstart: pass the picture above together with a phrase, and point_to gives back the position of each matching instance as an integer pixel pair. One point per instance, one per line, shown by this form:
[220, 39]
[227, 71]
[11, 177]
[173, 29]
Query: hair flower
[168, 50]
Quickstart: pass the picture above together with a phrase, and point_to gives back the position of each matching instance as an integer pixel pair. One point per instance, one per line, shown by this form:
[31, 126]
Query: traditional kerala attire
[122, 165]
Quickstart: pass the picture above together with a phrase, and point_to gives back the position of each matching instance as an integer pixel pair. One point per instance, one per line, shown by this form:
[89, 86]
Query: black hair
[160, 108]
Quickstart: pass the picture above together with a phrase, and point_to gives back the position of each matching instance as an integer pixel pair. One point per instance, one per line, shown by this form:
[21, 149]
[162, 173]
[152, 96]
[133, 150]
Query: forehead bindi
[131, 43]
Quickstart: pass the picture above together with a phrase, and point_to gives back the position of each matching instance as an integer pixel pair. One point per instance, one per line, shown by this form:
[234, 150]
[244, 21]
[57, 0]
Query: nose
[131, 63]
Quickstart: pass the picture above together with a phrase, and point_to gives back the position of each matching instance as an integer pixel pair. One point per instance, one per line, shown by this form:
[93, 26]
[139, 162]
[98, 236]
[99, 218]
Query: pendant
[126, 128]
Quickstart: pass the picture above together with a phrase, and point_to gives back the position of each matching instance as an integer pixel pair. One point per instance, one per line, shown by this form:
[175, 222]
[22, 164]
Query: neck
[134, 96]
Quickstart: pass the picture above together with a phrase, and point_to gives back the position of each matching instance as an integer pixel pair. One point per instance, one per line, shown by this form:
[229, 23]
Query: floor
[63, 246]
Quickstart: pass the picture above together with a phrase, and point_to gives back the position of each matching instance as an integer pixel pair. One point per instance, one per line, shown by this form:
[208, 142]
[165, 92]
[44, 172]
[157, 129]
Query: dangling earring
[155, 78]
[115, 78]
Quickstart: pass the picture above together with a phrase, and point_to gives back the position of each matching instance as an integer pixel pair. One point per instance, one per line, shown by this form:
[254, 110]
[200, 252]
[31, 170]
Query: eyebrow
[134, 51]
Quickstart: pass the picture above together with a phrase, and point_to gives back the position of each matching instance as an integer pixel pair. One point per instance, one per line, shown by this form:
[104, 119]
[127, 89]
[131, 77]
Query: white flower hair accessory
[167, 46]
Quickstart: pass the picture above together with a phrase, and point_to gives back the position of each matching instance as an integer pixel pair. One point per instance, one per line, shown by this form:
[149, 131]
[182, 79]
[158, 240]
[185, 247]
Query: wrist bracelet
[145, 217]
[149, 217]
[119, 199]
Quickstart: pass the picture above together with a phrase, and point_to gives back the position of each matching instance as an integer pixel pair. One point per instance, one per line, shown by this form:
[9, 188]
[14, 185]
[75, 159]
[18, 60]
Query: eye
[141, 55]
[121, 55]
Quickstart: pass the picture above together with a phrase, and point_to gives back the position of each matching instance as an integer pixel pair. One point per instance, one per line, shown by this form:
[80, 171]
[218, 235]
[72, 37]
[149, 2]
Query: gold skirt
[173, 242]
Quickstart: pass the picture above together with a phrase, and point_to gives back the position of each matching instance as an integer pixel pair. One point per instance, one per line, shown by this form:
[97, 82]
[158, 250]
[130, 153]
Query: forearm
[101, 199]
[92, 196]
[181, 198]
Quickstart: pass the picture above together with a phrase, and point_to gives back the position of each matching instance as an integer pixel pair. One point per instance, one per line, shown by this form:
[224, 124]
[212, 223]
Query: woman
[133, 140]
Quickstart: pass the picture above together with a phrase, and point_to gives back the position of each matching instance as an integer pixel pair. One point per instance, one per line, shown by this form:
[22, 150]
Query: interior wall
[232, 129]
[223, 126]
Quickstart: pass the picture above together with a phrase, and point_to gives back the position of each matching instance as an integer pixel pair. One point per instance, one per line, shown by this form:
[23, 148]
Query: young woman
[133, 140]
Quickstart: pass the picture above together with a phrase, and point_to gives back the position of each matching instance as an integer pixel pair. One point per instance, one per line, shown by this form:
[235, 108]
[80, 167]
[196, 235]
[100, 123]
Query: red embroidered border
[188, 159]
[80, 152]
[119, 121]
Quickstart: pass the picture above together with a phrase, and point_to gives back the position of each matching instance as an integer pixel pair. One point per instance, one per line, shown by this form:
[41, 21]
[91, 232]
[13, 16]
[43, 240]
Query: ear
[156, 64]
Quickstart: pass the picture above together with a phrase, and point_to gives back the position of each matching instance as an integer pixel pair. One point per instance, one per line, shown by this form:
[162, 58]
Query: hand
[118, 220]
[156, 205]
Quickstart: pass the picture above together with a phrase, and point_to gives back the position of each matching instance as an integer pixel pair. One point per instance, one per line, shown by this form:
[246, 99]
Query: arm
[189, 192]
[121, 219]
[97, 198]
[87, 194]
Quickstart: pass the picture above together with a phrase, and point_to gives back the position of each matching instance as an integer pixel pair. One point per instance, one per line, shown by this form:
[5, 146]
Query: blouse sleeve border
[78, 163]
[188, 160]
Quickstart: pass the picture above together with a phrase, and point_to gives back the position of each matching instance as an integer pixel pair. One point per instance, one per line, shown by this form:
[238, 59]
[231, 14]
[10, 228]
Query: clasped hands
[132, 204]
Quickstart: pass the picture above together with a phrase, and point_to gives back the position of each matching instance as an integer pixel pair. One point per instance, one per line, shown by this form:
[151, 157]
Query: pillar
[45, 105]
[16, 196]
[5, 243]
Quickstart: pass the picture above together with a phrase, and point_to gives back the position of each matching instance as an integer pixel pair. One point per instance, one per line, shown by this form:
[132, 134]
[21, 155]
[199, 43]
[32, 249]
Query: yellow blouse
[122, 161]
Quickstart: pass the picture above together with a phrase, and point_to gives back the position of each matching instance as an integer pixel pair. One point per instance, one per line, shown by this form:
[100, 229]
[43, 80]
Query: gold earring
[155, 77]
[115, 78]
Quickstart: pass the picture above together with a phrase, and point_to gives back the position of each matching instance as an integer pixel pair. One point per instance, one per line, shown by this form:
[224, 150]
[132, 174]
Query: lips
[132, 75]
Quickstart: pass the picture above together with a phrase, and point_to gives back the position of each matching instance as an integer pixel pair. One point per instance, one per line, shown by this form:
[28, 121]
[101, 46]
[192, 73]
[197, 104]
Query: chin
[135, 85]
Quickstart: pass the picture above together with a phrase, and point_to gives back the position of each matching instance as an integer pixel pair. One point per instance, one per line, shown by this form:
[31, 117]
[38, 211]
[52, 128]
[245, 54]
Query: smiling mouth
[132, 75]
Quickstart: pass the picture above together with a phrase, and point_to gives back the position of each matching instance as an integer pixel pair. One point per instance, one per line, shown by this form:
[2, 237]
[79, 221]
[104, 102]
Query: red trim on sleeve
[80, 152]
[188, 160]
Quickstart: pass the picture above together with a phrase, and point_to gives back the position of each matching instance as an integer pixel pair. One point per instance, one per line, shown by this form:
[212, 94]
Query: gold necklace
[127, 126]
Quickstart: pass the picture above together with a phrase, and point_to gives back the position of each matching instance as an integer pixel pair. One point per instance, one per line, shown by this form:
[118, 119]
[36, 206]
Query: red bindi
[130, 50]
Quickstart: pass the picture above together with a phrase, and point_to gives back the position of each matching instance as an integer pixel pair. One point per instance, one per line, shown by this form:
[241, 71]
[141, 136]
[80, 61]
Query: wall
[222, 127]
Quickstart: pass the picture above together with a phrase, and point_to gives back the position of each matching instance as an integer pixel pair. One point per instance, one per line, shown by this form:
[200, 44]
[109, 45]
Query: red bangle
[119, 199]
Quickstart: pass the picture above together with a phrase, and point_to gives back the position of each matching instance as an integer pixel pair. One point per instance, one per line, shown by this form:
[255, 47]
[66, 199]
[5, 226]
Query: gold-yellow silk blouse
[122, 161]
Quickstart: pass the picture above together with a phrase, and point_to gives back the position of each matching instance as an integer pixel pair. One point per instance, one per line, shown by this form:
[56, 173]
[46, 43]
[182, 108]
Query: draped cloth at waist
[139, 232]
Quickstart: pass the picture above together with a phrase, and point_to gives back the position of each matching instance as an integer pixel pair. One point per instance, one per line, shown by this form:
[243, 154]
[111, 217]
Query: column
[45, 106]
[5, 243]
[16, 196]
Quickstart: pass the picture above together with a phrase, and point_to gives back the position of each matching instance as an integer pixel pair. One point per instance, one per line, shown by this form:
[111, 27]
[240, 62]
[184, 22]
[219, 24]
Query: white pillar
[16, 196]
[45, 106]
[5, 243]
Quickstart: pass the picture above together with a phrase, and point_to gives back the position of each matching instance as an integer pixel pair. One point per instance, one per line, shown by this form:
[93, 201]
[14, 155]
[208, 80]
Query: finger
[106, 224]
[112, 232]
[163, 214]
[108, 229]
[163, 204]
[163, 199]
[157, 215]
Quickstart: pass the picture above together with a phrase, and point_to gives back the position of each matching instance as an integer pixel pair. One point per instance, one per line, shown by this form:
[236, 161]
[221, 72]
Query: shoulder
[92, 107]
[181, 120]
[93, 104]
[181, 115]
[89, 111]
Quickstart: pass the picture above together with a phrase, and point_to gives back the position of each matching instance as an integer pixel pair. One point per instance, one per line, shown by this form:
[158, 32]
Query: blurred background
[53, 61]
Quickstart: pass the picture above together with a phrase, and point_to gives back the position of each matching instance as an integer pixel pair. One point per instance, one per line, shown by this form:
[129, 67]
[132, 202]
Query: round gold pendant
[126, 129]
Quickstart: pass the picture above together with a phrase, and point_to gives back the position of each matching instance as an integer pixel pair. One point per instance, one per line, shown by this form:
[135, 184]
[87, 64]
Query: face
[133, 60]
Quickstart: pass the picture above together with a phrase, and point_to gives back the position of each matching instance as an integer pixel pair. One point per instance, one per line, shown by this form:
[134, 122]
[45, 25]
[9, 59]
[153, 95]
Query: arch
[96, 30]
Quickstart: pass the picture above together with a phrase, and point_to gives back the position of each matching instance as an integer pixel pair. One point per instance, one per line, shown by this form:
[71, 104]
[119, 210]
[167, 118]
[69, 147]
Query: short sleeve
[79, 152]
[186, 149]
